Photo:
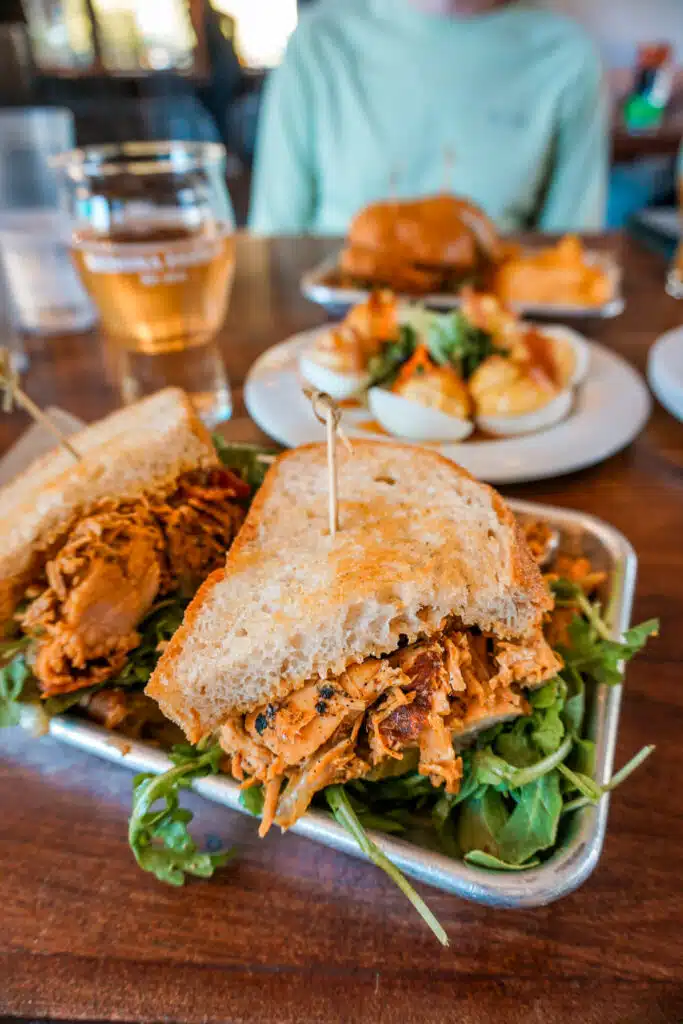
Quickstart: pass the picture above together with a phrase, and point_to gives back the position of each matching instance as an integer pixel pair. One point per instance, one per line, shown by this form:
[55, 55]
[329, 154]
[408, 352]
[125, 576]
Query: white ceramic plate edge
[273, 397]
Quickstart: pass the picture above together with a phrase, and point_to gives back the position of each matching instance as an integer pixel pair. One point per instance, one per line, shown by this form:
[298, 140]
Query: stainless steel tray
[569, 866]
[316, 286]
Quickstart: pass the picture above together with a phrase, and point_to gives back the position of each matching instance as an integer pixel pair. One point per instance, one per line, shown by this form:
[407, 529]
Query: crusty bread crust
[142, 448]
[420, 540]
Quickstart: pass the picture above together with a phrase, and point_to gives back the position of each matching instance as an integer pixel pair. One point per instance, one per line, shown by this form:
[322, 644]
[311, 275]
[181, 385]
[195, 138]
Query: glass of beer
[153, 241]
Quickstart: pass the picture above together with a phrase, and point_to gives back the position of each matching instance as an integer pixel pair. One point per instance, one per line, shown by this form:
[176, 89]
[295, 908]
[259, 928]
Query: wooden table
[294, 933]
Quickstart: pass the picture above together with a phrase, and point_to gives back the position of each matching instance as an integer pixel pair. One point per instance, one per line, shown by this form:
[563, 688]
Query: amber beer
[158, 290]
[162, 293]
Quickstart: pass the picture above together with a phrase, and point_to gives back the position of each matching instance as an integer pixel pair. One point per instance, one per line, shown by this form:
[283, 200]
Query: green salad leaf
[252, 800]
[599, 658]
[158, 835]
[344, 813]
[250, 461]
[384, 366]
[13, 678]
[481, 859]
[452, 339]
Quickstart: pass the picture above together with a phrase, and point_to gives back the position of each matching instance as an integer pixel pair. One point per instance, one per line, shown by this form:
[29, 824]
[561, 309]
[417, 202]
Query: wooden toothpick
[12, 392]
[448, 164]
[327, 412]
[394, 179]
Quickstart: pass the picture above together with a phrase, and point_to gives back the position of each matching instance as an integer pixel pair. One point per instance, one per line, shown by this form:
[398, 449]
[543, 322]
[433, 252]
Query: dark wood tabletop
[292, 932]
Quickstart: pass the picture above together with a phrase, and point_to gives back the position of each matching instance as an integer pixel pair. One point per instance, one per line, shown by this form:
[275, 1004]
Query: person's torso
[472, 108]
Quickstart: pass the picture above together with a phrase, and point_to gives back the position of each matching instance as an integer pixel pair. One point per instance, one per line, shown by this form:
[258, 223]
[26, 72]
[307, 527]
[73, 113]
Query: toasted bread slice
[419, 540]
[142, 448]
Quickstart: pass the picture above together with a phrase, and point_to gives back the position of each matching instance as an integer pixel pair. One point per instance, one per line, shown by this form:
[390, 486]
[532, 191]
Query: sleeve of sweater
[284, 183]
[575, 197]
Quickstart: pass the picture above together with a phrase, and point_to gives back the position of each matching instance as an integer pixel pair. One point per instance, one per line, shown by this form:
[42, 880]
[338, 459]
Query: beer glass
[153, 240]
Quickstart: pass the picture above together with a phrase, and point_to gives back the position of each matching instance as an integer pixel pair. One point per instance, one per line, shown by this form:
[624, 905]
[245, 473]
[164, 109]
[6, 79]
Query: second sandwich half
[383, 650]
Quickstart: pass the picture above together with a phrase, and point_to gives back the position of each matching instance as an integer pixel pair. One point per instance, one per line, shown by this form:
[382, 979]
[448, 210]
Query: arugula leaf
[382, 822]
[444, 826]
[345, 815]
[532, 826]
[601, 659]
[159, 838]
[250, 461]
[452, 339]
[482, 859]
[252, 800]
[616, 780]
[582, 757]
[574, 709]
[383, 368]
[515, 744]
[403, 789]
[13, 677]
[480, 821]
[592, 652]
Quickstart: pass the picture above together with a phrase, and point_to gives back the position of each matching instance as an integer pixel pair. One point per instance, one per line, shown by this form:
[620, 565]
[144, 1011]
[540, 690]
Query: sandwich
[409, 674]
[90, 548]
[419, 246]
[386, 650]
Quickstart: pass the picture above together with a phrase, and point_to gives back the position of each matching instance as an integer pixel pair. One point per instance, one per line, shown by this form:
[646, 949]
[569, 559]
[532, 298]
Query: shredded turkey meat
[417, 699]
[114, 565]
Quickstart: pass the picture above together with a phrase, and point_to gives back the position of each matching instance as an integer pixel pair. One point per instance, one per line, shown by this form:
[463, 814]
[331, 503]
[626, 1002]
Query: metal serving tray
[578, 854]
[316, 286]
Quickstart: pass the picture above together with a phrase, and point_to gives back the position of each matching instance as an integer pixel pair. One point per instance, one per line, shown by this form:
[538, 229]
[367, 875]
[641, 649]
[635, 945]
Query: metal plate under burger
[578, 854]
[336, 299]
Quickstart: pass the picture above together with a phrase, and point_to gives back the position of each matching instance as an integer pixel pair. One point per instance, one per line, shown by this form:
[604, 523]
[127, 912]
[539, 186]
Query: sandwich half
[88, 548]
[317, 661]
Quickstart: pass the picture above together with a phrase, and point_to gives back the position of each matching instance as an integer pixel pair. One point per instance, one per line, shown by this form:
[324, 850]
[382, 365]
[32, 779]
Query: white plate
[316, 287]
[611, 408]
[665, 371]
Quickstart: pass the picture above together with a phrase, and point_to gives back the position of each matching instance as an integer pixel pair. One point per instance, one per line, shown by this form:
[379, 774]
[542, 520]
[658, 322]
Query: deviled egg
[427, 402]
[335, 365]
[530, 388]
[514, 398]
[338, 361]
[571, 352]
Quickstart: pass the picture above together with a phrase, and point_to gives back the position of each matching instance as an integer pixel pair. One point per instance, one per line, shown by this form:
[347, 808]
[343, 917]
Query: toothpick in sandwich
[327, 412]
[12, 392]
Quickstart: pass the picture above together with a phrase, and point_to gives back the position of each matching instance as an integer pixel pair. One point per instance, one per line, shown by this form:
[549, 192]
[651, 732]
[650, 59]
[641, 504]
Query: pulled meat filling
[114, 565]
[417, 699]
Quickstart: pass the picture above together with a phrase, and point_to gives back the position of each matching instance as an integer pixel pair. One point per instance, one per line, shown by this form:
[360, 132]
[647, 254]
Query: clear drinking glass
[47, 294]
[153, 240]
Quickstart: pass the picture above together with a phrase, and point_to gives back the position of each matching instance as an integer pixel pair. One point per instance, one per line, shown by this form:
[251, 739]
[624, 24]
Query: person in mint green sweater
[492, 100]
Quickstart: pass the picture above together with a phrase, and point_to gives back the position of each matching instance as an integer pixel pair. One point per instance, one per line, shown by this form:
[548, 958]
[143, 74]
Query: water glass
[47, 294]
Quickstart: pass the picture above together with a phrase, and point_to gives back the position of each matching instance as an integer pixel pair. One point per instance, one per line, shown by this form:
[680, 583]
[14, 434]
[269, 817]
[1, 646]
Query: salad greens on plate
[451, 339]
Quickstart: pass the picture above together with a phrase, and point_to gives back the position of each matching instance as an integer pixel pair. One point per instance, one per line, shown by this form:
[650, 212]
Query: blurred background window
[120, 37]
[261, 28]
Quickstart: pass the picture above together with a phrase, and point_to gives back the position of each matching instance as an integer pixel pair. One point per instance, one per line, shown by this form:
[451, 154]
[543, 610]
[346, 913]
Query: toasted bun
[142, 448]
[419, 540]
[438, 231]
